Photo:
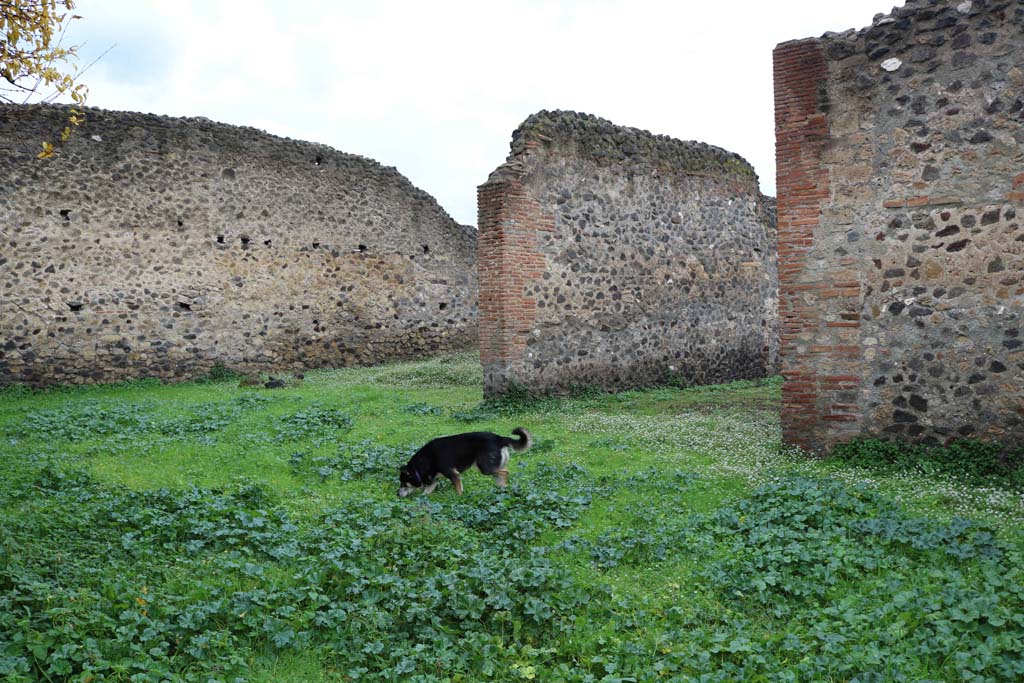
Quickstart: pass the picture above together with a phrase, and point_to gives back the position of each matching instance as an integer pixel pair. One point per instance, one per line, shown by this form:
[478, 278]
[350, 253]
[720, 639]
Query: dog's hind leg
[456, 480]
[501, 475]
[495, 464]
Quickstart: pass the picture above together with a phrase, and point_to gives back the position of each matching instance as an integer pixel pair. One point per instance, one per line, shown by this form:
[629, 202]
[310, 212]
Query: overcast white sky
[436, 87]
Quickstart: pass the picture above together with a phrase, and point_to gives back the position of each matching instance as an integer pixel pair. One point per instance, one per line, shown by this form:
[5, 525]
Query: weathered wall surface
[616, 258]
[901, 248]
[155, 246]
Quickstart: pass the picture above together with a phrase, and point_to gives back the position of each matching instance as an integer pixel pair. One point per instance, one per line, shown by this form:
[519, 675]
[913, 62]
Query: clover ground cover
[206, 532]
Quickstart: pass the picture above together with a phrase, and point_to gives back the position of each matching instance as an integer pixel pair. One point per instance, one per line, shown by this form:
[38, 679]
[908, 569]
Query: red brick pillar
[509, 259]
[820, 356]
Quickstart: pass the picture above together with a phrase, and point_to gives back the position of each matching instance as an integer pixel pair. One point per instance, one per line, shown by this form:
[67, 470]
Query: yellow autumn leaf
[33, 60]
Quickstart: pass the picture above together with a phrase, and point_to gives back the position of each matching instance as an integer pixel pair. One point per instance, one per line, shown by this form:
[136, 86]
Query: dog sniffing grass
[451, 455]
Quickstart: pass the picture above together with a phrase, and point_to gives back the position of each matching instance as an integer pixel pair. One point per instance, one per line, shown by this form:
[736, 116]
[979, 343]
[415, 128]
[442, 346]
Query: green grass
[208, 532]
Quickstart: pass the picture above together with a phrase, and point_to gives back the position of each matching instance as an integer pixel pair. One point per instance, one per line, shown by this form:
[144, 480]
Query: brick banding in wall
[614, 258]
[158, 247]
[901, 265]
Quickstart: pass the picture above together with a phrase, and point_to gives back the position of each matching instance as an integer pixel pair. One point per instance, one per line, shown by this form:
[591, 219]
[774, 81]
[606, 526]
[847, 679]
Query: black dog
[451, 455]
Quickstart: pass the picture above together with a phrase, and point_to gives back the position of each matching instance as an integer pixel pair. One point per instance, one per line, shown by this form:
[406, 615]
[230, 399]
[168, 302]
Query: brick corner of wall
[509, 220]
[801, 132]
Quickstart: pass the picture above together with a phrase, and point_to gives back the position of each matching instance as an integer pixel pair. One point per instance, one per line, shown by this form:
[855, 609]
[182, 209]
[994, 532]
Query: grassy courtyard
[209, 532]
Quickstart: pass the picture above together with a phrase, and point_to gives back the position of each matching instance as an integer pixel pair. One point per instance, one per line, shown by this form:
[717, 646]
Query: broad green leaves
[608, 558]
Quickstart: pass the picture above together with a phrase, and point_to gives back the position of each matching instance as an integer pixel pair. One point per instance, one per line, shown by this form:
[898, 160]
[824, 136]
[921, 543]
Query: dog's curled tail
[523, 442]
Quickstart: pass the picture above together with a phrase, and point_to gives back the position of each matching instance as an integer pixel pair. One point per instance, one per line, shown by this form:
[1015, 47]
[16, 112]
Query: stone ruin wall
[157, 247]
[901, 227]
[615, 258]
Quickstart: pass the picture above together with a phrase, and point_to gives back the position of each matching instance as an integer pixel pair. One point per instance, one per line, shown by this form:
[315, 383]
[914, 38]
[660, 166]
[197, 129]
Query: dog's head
[409, 480]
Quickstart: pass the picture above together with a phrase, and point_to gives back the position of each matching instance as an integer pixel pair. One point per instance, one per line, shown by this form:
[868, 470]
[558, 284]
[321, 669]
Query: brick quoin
[819, 358]
[508, 261]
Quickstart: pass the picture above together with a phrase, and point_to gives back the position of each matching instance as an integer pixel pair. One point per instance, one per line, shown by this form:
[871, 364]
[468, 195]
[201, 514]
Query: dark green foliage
[315, 422]
[82, 420]
[974, 462]
[540, 445]
[353, 461]
[211, 417]
[657, 532]
[422, 409]
[219, 372]
[516, 402]
[866, 592]
[552, 499]
[597, 564]
[684, 382]
[87, 419]
[610, 443]
[519, 400]
[478, 413]
[15, 391]
[199, 584]
[802, 539]
[113, 583]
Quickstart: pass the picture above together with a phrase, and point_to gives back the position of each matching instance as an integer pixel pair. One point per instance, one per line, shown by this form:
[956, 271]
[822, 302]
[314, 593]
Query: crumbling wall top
[599, 139]
[916, 29]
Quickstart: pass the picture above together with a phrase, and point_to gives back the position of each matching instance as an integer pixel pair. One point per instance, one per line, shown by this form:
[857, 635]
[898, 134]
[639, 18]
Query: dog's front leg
[501, 477]
[430, 489]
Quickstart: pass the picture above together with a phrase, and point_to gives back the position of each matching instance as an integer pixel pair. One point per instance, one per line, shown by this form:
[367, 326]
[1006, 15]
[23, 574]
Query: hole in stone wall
[362, 248]
[266, 243]
[245, 242]
[316, 245]
[75, 306]
[66, 215]
[181, 223]
[426, 249]
[182, 306]
[319, 160]
[220, 239]
[442, 305]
